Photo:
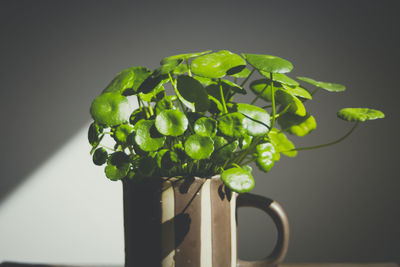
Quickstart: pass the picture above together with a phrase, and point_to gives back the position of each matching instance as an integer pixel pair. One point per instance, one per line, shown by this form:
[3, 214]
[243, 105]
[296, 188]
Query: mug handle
[278, 215]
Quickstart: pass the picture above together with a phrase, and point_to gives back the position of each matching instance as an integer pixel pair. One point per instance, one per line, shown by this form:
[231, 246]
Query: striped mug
[191, 222]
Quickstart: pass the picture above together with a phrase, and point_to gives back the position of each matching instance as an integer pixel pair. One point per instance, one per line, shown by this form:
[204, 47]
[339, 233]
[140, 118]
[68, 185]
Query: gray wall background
[342, 201]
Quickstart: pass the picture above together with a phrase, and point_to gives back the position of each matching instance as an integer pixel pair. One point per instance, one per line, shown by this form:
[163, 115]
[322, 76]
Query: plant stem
[188, 66]
[273, 102]
[247, 78]
[222, 96]
[258, 95]
[327, 144]
[283, 111]
[179, 100]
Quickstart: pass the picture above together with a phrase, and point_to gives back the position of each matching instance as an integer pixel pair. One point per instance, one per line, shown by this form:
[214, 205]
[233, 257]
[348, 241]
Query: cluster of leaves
[196, 128]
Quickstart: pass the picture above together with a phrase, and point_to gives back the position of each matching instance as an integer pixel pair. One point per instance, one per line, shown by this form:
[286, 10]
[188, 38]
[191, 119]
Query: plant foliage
[199, 129]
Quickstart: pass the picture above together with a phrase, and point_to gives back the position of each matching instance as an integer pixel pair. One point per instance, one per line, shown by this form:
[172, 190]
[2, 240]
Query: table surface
[379, 264]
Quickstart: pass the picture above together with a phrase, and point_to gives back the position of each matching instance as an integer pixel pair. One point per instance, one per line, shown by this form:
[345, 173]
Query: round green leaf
[331, 87]
[168, 66]
[228, 85]
[280, 77]
[238, 179]
[183, 56]
[286, 98]
[243, 74]
[137, 115]
[128, 79]
[281, 143]
[257, 119]
[246, 141]
[147, 137]
[193, 91]
[218, 64]
[223, 149]
[171, 122]
[110, 109]
[165, 103]
[360, 114]
[297, 125]
[100, 156]
[199, 147]
[297, 91]
[232, 124]
[268, 63]
[263, 88]
[117, 166]
[121, 133]
[94, 133]
[265, 156]
[205, 127]
[204, 81]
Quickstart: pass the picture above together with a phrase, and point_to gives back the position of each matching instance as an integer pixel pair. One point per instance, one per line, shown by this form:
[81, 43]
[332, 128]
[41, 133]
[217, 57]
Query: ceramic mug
[191, 222]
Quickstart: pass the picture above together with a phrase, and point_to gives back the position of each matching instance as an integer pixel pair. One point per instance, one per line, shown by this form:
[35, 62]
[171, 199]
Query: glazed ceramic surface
[190, 222]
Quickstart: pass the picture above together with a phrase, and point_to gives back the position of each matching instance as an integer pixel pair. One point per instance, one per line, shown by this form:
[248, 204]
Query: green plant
[188, 124]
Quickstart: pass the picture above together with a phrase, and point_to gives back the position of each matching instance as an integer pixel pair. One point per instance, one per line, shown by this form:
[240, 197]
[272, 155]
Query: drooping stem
[222, 96]
[327, 144]
[247, 78]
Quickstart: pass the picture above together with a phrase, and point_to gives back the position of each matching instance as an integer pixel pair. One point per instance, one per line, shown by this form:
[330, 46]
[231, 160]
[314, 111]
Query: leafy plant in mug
[197, 128]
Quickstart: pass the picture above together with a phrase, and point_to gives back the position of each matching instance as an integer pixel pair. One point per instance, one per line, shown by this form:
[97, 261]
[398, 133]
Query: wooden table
[379, 264]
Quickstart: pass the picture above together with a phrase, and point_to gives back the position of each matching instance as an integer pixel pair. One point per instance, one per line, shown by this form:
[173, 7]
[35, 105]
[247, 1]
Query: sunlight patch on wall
[66, 211]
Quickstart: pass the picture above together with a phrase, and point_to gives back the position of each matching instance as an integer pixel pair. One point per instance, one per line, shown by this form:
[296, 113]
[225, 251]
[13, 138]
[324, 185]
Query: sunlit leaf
[280, 77]
[360, 114]
[168, 66]
[171, 122]
[117, 166]
[268, 63]
[243, 74]
[297, 125]
[218, 64]
[199, 147]
[147, 137]
[129, 79]
[121, 133]
[238, 179]
[183, 56]
[257, 120]
[110, 109]
[297, 91]
[165, 103]
[285, 99]
[205, 127]
[331, 87]
[282, 143]
[232, 124]
[265, 156]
